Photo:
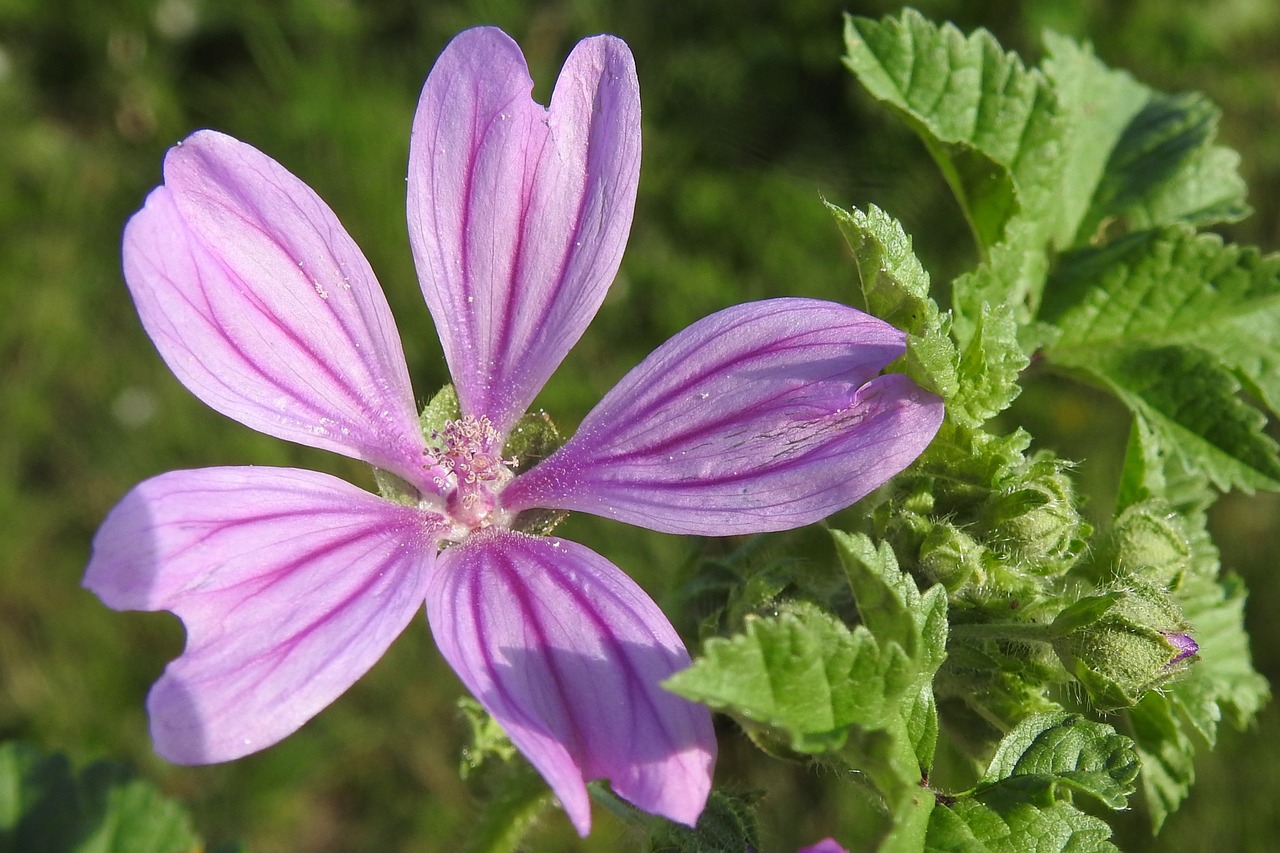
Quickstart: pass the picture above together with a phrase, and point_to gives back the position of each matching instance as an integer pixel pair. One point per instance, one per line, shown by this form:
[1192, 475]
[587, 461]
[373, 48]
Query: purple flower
[291, 584]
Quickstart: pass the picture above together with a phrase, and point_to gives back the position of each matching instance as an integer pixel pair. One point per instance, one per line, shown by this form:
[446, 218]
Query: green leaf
[989, 368]
[46, 808]
[896, 289]
[993, 126]
[891, 605]
[894, 284]
[1024, 800]
[1012, 275]
[1165, 169]
[1099, 104]
[802, 673]
[1172, 286]
[1051, 756]
[909, 821]
[1167, 755]
[1224, 682]
[1142, 474]
[1174, 323]
[488, 740]
[442, 407]
[1007, 825]
[511, 810]
[1191, 405]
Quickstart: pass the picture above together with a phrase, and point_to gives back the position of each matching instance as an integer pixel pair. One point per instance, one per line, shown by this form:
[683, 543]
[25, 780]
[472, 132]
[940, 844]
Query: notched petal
[263, 306]
[761, 417]
[518, 214]
[291, 584]
[568, 654]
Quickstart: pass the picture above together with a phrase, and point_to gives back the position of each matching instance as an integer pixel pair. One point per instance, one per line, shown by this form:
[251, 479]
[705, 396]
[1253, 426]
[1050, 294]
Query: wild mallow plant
[291, 584]
[966, 600]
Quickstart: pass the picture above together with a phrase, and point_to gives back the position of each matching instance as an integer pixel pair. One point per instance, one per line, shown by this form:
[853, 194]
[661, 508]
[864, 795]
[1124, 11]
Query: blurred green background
[749, 122]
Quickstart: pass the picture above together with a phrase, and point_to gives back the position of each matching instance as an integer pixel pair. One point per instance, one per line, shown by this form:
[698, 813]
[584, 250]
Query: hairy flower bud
[1034, 522]
[1149, 539]
[1124, 643]
[951, 557]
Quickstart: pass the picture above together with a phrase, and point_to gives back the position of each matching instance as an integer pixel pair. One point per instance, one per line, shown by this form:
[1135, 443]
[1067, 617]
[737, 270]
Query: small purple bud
[1184, 645]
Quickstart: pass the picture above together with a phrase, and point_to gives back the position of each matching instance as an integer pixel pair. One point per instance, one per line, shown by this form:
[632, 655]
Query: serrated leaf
[1173, 286]
[1191, 405]
[46, 808]
[896, 289]
[993, 126]
[1142, 474]
[909, 821]
[1012, 274]
[990, 365]
[1165, 169]
[1224, 682]
[1023, 801]
[890, 604]
[1167, 755]
[1049, 756]
[509, 812]
[1099, 104]
[920, 716]
[1005, 825]
[894, 284]
[442, 407]
[803, 673]
[974, 457]
[895, 610]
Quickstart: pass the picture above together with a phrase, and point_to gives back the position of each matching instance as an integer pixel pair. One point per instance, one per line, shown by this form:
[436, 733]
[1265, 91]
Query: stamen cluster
[470, 450]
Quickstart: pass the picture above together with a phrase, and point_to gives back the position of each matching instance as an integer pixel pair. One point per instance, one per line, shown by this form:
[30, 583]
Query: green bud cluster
[965, 535]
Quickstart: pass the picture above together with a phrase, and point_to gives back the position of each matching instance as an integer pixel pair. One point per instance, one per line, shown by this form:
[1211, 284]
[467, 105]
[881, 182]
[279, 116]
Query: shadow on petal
[569, 654]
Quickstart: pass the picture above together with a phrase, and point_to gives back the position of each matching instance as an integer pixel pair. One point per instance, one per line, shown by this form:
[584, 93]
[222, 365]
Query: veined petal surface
[290, 583]
[518, 214]
[568, 653]
[764, 416]
[263, 306]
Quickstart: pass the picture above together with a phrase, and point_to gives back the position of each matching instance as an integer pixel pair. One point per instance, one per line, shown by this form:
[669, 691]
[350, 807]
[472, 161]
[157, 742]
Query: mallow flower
[291, 583]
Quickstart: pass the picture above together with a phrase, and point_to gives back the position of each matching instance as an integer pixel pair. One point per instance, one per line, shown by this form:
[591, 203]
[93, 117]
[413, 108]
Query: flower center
[469, 449]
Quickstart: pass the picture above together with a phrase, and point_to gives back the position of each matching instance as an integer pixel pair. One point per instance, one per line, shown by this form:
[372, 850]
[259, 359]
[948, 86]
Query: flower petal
[826, 845]
[761, 417]
[261, 304]
[568, 653]
[291, 585]
[518, 215]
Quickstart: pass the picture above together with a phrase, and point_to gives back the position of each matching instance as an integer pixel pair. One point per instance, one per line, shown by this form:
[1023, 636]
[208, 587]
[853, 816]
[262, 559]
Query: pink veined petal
[261, 304]
[291, 584]
[518, 214]
[567, 653]
[761, 417]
